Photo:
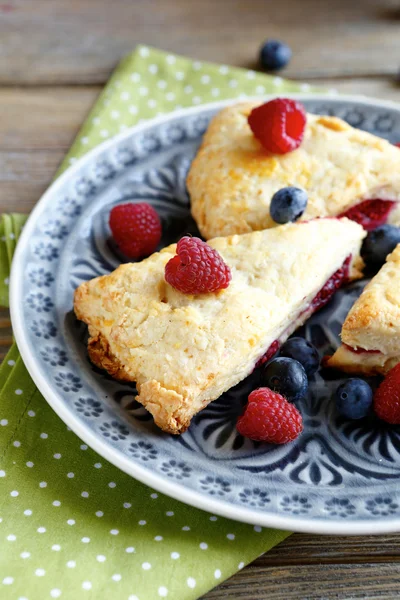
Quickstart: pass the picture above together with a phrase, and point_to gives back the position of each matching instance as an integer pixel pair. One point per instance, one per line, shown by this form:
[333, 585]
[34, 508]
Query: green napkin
[71, 524]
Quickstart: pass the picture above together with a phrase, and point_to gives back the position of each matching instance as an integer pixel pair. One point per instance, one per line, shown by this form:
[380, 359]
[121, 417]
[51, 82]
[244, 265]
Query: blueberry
[274, 55]
[378, 244]
[285, 376]
[303, 351]
[354, 398]
[288, 204]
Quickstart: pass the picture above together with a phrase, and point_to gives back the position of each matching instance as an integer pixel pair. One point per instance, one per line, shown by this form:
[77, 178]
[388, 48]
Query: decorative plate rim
[113, 455]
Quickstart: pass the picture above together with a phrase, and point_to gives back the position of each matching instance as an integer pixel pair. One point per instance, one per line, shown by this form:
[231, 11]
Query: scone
[233, 178]
[371, 331]
[185, 351]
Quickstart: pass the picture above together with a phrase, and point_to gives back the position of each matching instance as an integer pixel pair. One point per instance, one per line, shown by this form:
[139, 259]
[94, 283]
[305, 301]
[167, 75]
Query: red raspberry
[269, 417]
[387, 397]
[197, 268]
[279, 124]
[136, 229]
[370, 213]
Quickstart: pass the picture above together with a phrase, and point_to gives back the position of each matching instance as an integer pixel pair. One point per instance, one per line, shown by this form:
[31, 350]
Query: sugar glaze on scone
[233, 178]
[185, 351]
[371, 331]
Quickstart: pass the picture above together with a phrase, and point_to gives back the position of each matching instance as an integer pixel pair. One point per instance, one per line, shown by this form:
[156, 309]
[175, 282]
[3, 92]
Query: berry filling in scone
[371, 213]
[361, 350]
[361, 361]
[371, 332]
[339, 278]
[190, 322]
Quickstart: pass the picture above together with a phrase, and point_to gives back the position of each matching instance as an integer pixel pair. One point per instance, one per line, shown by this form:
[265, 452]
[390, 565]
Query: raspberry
[136, 229]
[334, 283]
[370, 213]
[279, 124]
[269, 417]
[197, 268]
[387, 397]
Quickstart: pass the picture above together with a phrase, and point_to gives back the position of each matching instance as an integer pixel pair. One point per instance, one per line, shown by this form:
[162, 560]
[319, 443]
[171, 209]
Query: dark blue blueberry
[274, 55]
[354, 398]
[302, 350]
[378, 244]
[285, 376]
[288, 204]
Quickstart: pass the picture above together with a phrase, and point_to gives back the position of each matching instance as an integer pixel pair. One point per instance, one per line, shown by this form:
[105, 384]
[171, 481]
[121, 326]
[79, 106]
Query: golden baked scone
[185, 351]
[371, 331]
[233, 178]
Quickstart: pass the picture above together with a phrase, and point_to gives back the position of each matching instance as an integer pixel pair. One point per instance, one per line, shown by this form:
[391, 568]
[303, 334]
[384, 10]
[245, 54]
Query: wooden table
[55, 57]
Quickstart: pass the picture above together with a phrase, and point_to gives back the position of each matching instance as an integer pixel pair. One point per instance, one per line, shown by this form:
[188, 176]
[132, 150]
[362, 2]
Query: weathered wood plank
[48, 118]
[37, 126]
[319, 582]
[385, 88]
[24, 176]
[80, 41]
[311, 549]
[42, 118]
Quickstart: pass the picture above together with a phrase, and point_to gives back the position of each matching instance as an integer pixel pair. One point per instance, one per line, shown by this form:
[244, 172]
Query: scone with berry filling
[345, 171]
[371, 331]
[184, 349]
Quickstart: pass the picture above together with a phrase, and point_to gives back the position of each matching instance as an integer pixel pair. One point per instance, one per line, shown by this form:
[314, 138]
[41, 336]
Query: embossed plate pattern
[338, 477]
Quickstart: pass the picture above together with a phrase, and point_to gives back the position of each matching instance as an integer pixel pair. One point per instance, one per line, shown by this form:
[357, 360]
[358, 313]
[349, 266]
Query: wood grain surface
[56, 54]
[80, 41]
[38, 124]
[307, 567]
[316, 582]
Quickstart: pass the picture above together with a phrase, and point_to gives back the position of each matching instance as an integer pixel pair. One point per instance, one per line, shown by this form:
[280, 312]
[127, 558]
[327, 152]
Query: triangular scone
[371, 331]
[184, 351]
[232, 178]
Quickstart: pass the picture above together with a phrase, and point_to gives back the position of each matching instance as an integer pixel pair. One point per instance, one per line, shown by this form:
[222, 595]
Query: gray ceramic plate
[338, 477]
